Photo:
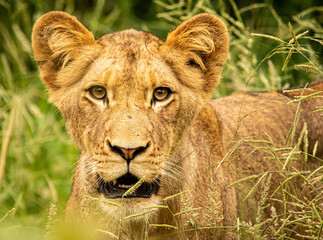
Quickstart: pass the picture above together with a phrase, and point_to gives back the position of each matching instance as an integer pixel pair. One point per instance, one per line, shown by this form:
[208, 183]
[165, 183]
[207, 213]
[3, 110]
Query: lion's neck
[203, 177]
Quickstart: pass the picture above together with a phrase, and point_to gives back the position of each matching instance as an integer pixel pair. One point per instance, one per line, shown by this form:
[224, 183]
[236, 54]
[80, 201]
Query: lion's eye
[161, 93]
[98, 92]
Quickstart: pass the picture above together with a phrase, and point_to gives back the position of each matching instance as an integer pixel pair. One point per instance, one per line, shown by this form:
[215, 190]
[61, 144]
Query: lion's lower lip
[117, 189]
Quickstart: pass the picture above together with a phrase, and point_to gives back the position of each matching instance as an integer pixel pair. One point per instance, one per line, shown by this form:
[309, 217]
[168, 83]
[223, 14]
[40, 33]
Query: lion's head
[129, 98]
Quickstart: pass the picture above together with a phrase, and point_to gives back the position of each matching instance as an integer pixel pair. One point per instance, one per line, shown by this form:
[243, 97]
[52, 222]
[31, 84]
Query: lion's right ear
[196, 50]
[58, 39]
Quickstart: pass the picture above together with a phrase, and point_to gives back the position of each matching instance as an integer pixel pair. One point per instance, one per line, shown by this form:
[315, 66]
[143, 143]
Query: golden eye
[161, 93]
[98, 92]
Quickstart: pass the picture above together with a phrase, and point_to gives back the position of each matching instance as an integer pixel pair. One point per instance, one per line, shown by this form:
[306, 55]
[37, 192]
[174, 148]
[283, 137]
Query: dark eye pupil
[99, 90]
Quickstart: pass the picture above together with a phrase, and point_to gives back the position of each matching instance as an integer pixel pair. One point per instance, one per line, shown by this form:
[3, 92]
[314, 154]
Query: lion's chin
[127, 186]
[132, 209]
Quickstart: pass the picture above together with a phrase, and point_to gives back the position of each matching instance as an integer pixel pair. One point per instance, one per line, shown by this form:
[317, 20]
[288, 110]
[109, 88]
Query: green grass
[269, 50]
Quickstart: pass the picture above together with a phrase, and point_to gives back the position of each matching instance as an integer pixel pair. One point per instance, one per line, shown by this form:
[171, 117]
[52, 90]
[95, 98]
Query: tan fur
[188, 136]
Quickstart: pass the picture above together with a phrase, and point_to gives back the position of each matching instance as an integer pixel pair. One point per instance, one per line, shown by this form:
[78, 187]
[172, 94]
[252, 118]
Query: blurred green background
[37, 157]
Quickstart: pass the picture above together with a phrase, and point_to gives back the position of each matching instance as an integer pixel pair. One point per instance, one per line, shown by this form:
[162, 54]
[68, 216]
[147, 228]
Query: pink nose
[128, 153]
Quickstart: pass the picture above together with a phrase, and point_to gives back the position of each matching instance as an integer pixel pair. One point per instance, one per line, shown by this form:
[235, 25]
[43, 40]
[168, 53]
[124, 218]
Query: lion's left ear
[57, 40]
[196, 50]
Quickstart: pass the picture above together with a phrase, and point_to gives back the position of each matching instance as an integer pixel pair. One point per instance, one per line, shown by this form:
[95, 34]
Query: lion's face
[129, 99]
[124, 114]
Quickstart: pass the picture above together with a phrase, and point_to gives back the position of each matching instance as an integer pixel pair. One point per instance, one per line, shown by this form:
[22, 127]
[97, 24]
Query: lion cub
[158, 158]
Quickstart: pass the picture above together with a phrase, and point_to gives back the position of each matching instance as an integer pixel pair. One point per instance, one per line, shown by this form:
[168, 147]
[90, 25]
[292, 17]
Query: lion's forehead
[129, 65]
[131, 37]
[132, 51]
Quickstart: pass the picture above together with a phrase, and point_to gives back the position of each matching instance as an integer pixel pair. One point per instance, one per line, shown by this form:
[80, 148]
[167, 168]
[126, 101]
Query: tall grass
[37, 157]
[262, 56]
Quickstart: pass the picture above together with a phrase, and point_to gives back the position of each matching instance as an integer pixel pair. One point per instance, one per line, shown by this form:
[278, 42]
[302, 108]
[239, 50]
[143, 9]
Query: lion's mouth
[118, 188]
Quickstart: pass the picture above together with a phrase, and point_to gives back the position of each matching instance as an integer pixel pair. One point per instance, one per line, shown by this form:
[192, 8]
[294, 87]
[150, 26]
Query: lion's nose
[128, 153]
